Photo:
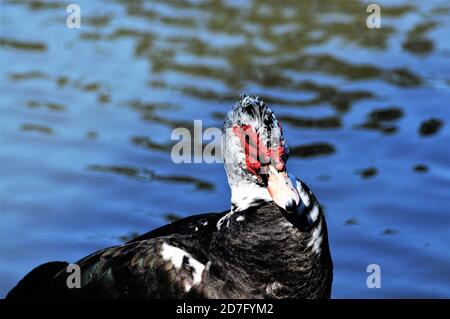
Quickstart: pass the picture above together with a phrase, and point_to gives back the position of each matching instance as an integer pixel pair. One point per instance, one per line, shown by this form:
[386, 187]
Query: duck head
[255, 156]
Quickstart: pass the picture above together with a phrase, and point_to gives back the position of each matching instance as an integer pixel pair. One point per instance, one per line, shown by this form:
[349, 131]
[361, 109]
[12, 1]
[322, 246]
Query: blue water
[86, 118]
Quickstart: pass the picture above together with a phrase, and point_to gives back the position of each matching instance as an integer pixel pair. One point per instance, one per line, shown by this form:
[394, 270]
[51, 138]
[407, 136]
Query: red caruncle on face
[257, 155]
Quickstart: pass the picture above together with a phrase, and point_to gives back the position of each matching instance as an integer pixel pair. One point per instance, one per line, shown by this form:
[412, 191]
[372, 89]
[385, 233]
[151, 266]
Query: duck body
[258, 253]
[273, 243]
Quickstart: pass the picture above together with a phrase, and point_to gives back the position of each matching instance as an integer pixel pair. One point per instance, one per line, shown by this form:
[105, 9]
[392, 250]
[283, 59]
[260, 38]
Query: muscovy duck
[272, 243]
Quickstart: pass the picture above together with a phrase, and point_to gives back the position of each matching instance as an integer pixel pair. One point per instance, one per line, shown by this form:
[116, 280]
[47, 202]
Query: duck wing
[163, 263]
[185, 226]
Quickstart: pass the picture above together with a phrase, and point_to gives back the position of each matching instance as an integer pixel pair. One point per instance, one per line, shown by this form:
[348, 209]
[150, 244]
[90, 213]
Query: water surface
[86, 118]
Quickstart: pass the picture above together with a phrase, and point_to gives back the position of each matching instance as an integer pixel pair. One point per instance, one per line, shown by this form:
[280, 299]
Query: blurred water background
[86, 117]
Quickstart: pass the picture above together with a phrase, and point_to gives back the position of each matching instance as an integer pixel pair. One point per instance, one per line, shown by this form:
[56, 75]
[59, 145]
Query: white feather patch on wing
[198, 270]
[173, 254]
[176, 255]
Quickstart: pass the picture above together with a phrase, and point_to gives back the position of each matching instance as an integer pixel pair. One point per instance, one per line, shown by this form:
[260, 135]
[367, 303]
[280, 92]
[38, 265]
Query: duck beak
[282, 191]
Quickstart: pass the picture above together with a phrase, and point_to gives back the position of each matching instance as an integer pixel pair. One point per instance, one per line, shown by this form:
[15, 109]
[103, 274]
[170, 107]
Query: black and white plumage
[273, 243]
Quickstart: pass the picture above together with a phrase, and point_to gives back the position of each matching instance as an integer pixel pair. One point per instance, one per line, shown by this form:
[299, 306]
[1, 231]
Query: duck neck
[247, 195]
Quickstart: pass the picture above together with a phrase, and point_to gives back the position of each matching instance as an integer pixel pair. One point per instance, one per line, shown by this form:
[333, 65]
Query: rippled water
[86, 118]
